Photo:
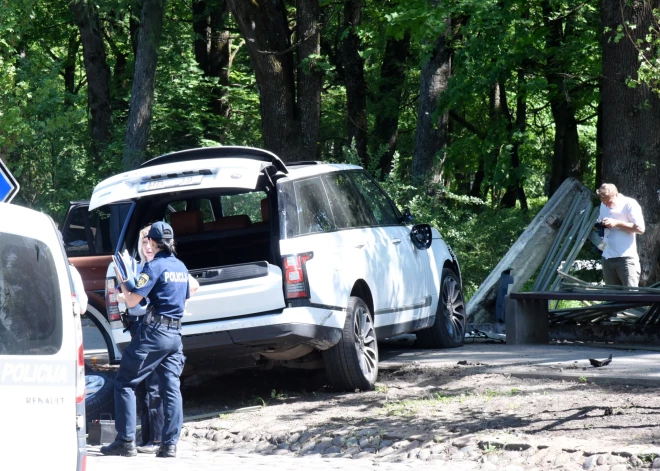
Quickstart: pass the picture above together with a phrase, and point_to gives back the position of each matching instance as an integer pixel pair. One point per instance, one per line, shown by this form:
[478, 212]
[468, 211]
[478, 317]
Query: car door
[409, 273]
[370, 243]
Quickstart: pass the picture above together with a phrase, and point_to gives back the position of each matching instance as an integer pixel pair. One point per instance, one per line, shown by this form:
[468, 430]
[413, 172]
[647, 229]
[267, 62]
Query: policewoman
[147, 393]
[157, 347]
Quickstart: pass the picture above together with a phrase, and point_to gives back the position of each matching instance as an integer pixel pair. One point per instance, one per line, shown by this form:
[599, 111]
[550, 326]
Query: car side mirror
[407, 217]
[421, 236]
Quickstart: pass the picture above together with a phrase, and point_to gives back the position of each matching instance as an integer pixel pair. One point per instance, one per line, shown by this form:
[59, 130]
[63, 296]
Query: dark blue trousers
[149, 403]
[156, 348]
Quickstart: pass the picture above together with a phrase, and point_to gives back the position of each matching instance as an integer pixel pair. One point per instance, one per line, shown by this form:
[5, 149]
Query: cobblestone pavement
[467, 453]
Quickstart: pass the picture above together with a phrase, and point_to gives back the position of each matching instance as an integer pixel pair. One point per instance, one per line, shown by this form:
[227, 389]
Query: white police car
[303, 265]
[42, 378]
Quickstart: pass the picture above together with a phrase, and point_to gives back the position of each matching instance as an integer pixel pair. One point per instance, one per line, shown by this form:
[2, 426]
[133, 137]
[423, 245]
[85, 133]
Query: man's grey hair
[607, 190]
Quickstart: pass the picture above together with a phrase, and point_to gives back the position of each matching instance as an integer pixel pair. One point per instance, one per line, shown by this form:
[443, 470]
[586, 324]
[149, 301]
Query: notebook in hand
[124, 272]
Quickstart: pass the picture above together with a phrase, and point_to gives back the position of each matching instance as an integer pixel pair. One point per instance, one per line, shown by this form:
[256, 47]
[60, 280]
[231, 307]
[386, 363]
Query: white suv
[304, 265]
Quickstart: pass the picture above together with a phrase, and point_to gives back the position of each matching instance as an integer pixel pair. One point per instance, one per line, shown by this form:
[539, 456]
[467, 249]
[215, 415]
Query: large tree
[97, 71]
[566, 161]
[211, 45]
[356, 87]
[289, 83]
[432, 130]
[630, 121]
[390, 93]
[144, 80]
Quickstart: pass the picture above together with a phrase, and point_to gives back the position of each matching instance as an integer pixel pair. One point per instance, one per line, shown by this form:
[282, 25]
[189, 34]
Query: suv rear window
[30, 302]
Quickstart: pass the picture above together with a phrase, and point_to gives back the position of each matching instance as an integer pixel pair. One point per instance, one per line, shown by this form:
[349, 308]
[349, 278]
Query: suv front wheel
[448, 330]
[353, 363]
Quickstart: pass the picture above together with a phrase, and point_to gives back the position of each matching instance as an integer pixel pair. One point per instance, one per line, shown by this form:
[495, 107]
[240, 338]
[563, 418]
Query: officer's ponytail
[167, 245]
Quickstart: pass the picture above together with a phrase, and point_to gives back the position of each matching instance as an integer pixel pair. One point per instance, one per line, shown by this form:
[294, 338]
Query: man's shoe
[149, 448]
[119, 448]
[166, 451]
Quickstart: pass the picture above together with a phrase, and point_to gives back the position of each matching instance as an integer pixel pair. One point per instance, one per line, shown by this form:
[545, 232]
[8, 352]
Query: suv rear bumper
[272, 332]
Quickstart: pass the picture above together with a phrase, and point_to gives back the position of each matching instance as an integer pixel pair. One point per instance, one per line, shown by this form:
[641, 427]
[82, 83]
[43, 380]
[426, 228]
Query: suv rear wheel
[448, 330]
[99, 393]
[353, 363]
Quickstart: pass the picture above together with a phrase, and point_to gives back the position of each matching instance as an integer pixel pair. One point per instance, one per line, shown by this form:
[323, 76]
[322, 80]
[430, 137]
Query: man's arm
[629, 227]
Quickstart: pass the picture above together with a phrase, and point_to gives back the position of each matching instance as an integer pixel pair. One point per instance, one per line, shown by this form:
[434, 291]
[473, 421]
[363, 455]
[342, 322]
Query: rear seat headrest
[237, 221]
[187, 222]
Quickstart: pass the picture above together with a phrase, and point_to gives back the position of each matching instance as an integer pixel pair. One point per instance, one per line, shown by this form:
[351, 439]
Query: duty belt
[162, 320]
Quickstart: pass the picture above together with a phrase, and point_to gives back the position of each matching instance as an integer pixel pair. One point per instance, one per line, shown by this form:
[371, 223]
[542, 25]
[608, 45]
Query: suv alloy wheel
[353, 363]
[448, 330]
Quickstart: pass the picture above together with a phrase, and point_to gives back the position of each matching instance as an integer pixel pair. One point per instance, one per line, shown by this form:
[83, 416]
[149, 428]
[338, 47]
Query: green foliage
[480, 235]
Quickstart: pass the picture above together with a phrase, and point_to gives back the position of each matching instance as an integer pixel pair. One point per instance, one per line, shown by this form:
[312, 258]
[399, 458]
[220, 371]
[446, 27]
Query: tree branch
[467, 125]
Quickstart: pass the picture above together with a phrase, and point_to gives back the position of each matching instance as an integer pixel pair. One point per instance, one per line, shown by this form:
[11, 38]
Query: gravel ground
[461, 415]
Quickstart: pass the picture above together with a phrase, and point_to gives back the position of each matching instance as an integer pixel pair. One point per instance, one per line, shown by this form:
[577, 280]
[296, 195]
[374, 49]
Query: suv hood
[215, 167]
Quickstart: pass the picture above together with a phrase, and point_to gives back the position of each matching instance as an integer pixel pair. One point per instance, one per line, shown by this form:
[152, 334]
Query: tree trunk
[390, 92]
[630, 123]
[144, 81]
[211, 47]
[70, 69]
[310, 78]
[515, 190]
[265, 28]
[431, 132]
[97, 71]
[566, 160]
[356, 87]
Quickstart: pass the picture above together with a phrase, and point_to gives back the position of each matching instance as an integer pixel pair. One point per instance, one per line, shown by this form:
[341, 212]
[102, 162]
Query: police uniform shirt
[164, 281]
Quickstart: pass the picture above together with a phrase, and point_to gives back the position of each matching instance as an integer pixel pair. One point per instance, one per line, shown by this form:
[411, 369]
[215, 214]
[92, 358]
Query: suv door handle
[396, 241]
[359, 245]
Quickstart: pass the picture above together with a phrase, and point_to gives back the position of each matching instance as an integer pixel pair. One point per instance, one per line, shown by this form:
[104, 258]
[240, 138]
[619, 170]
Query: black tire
[352, 364]
[99, 394]
[448, 330]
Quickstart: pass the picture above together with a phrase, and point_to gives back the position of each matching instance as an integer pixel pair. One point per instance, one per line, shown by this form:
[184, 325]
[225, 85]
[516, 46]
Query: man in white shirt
[622, 218]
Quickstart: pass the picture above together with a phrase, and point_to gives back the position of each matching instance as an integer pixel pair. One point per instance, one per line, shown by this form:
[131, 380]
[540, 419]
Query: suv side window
[95, 232]
[75, 233]
[376, 200]
[314, 213]
[30, 303]
[346, 204]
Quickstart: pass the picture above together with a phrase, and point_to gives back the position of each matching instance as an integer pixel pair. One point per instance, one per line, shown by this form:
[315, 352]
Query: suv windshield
[30, 303]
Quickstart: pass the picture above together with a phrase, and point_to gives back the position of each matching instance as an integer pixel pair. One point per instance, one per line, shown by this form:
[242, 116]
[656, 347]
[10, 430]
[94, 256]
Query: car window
[345, 202]
[75, 234]
[245, 203]
[30, 302]
[314, 213]
[377, 202]
[95, 232]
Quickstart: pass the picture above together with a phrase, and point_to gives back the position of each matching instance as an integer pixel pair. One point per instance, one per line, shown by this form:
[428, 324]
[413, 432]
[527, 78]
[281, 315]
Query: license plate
[170, 183]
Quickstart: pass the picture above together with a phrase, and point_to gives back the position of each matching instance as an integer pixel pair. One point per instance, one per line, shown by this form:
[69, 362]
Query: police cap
[160, 230]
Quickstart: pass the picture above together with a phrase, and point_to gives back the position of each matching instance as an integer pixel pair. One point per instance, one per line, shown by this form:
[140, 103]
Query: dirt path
[453, 413]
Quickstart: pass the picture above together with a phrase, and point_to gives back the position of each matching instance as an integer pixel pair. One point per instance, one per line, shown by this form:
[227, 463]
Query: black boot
[149, 448]
[166, 451]
[119, 448]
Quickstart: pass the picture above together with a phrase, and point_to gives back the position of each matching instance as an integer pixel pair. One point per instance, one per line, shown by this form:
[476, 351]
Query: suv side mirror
[421, 236]
[407, 217]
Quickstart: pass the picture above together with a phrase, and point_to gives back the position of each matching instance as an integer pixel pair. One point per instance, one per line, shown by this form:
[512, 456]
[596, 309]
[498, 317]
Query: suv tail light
[295, 275]
[111, 303]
